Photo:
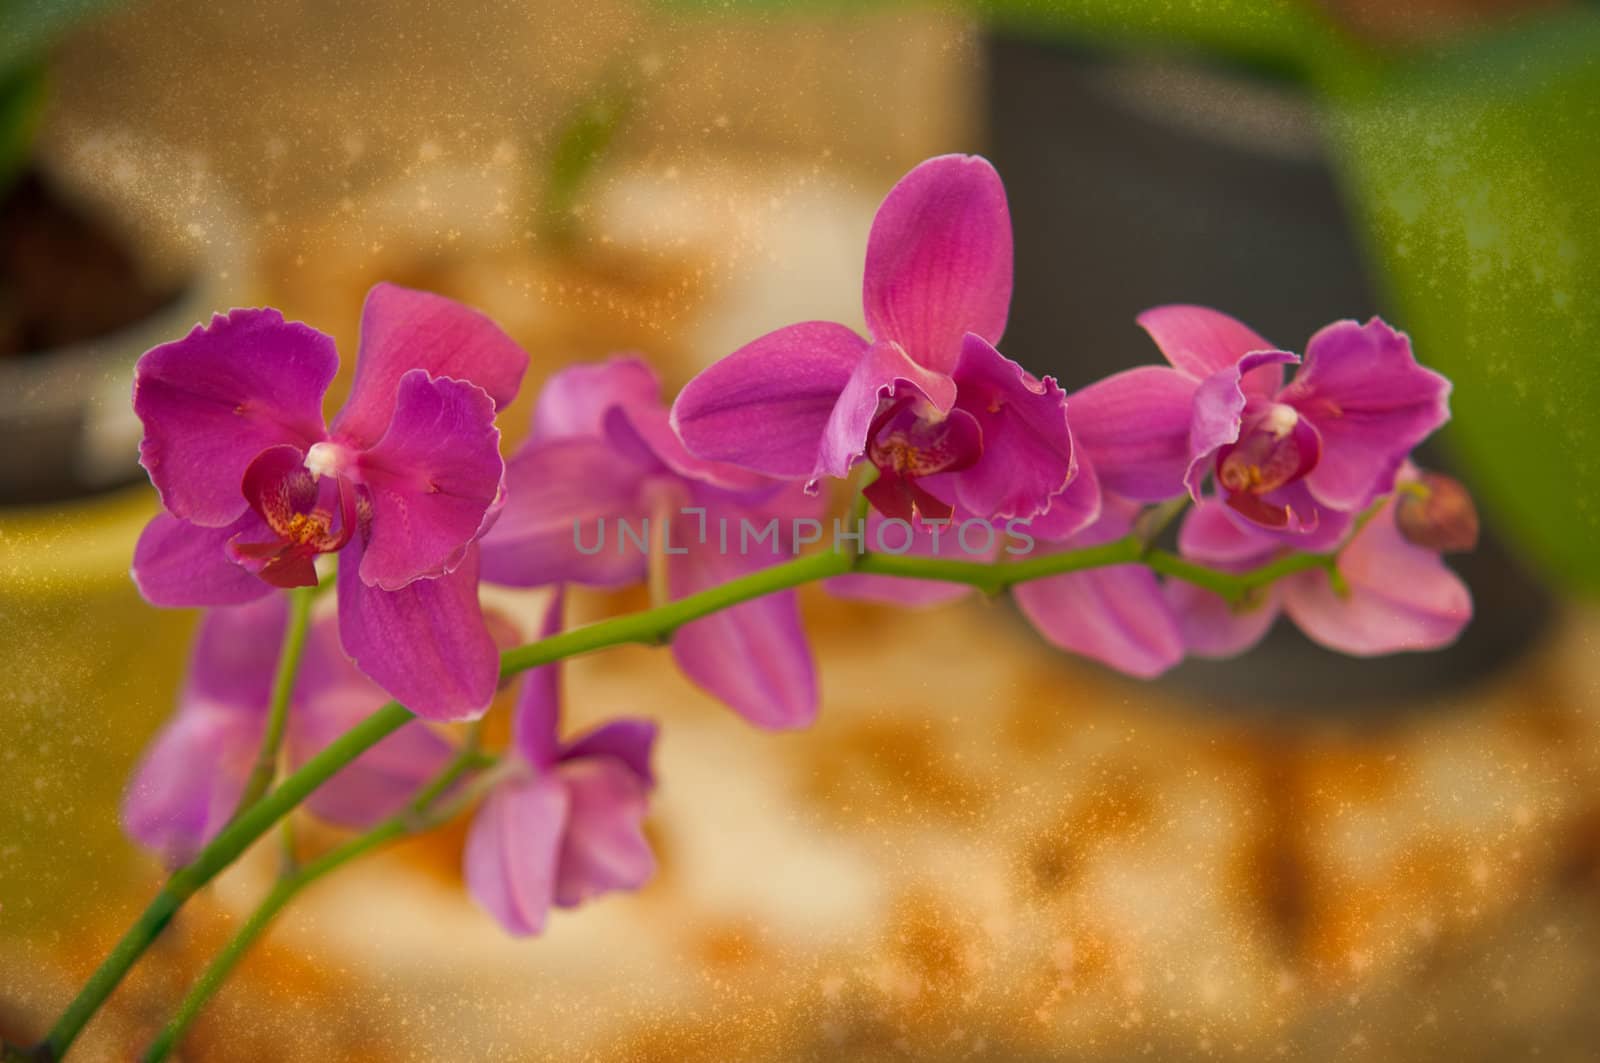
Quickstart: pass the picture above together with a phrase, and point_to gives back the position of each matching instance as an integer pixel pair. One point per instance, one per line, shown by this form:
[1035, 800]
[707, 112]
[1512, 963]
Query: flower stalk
[294, 645]
[651, 626]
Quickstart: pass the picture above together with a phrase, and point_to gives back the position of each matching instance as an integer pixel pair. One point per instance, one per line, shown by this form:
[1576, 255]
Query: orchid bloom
[565, 823]
[601, 450]
[946, 419]
[1396, 595]
[401, 486]
[190, 780]
[1300, 459]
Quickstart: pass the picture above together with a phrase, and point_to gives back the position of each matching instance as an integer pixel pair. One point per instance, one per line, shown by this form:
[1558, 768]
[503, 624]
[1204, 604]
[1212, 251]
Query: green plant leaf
[1477, 175]
[28, 27]
[22, 93]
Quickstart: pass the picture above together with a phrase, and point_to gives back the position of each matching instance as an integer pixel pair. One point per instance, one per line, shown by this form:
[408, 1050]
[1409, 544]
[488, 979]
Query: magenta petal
[512, 851]
[646, 431]
[575, 401]
[882, 373]
[1134, 426]
[188, 784]
[333, 696]
[1075, 509]
[767, 405]
[426, 644]
[431, 481]
[1363, 390]
[177, 564]
[754, 656]
[628, 741]
[1117, 616]
[1401, 597]
[1219, 408]
[1211, 535]
[404, 330]
[1213, 628]
[536, 718]
[1027, 456]
[213, 400]
[604, 847]
[235, 656]
[1200, 341]
[914, 538]
[939, 260]
[559, 523]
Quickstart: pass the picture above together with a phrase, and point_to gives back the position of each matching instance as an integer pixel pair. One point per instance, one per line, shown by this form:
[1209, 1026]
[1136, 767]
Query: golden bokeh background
[983, 850]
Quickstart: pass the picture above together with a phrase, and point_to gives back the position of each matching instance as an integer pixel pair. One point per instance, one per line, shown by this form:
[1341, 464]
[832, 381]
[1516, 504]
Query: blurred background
[984, 849]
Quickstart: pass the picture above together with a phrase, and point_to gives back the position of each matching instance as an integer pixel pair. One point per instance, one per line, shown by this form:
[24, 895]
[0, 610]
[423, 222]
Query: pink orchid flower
[1300, 459]
[946, 419]
[601, 451]
[401, 486]
[189, 781]
[566, 823]
[1397, 595]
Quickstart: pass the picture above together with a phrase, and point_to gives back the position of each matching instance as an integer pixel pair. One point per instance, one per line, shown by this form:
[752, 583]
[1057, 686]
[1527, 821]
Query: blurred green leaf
[581, 142]
[28, 27]
[1477, 173]
[21, 102]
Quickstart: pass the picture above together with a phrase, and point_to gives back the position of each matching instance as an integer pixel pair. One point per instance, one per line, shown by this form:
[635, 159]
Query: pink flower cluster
[407, 487]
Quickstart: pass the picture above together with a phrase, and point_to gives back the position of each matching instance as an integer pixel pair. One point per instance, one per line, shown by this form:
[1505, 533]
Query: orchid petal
[628, 741]
[536, 718]
[1134, 426]
[1027, 457]
[563, 499]
[1400, 596]
[431, 481]
[512, 851]
[604, 847]
[574, 402]
[213, 400]
[1211, 535]
[177, 564]
[768, 405]
[235, 655]
[426, 644]
[939, 260]
[1214, 628]
[188, 784]
[1362, 389]
[753, 656]
[333, 696]
[1199, 341]
[1116, 615]
[404, 330]
[1075, 509]
[646, 431]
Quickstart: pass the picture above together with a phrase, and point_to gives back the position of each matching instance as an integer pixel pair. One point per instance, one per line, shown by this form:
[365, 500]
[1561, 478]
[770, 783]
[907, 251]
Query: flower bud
[1436, 512]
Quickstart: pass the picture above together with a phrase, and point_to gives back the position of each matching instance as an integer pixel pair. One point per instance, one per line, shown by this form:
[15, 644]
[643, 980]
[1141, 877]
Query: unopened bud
[1436, 512]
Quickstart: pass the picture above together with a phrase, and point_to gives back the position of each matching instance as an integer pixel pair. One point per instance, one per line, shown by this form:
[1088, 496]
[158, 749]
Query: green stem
[650, 627]
[412, 819]
[294, 645]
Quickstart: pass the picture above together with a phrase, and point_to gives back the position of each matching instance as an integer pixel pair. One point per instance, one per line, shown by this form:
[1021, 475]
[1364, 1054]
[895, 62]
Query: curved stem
[294, 645]
[412, 819]
[649, 627]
